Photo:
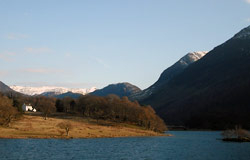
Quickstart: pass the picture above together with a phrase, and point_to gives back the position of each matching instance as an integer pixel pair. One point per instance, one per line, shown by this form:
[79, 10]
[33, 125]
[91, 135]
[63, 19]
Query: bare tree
[67, 126]
[238, 132]
[228, 134]
[7, 111]
[241, 133]
[46, 105]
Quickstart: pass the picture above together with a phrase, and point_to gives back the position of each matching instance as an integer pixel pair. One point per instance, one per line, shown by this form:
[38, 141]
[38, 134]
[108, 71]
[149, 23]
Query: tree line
[111, 108]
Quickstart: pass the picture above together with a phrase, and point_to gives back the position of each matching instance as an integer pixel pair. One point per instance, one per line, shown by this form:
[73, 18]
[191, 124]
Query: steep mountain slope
[212, 92]
[7, 91]
[168, 74]
[119, 89]
[4, 88]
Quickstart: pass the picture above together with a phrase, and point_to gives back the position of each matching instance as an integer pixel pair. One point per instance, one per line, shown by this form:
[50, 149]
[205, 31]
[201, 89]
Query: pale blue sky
[84, 43]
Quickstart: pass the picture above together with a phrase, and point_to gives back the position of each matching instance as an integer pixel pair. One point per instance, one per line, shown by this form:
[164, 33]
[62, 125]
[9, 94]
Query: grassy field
[34, 126]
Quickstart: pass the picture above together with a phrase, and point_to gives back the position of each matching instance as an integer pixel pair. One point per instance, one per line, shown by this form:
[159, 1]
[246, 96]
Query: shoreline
[35, 127]
[68, 138]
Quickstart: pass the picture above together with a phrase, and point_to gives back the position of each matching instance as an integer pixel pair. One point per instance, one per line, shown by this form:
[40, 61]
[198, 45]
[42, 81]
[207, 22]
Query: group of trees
[111, 108]
[120, 110]
[45, 104]
[13, 104]
[8, 111]
[66, 104]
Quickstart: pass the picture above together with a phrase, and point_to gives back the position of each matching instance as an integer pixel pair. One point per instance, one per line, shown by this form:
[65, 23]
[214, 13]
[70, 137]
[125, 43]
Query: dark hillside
[211, 93]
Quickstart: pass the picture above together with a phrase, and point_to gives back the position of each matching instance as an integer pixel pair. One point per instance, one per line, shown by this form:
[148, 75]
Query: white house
[26, 107]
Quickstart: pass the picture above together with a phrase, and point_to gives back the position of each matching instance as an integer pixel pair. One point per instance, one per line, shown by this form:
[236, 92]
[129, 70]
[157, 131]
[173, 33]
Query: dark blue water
[184, 145]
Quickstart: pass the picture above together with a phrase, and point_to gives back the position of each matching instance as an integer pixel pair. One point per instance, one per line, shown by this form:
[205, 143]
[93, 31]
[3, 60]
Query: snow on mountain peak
[197, 55]
[58, 90]
[192, 57]
[243, 34]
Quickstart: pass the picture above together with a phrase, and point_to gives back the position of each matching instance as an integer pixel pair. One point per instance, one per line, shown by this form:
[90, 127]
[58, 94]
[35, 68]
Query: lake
[184, 145]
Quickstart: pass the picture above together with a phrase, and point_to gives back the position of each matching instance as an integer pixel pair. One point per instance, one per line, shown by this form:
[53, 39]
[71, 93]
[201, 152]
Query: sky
[86, 43]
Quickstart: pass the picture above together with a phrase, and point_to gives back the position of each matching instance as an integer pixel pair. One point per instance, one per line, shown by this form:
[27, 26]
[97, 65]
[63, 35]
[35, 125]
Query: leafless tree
[238, 132]
[46, 105]
[67, 126]
[7, 111]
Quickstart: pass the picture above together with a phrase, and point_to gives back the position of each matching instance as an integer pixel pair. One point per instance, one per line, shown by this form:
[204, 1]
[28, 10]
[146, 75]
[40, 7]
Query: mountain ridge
[6, 89]
[119, 89]
[211, 93]
[169, 73]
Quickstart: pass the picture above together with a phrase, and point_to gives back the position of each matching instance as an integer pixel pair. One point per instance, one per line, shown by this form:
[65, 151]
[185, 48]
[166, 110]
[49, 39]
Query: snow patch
[58, 90]
[193, 56]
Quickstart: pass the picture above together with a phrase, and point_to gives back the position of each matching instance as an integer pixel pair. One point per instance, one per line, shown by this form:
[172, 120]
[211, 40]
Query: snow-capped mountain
[57, 90]
[169, 73]
[212, 93]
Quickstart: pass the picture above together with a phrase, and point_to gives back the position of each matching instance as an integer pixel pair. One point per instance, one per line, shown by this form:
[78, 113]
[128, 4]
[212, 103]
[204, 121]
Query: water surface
[185, 145]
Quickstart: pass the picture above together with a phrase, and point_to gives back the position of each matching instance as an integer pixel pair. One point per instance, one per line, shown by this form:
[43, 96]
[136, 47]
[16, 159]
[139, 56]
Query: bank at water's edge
[36, 127]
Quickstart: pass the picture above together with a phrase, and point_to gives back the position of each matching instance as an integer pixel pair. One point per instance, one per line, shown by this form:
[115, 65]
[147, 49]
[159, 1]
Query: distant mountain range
[119, 89]
[212, 92]
[168, 74]
[50, 90]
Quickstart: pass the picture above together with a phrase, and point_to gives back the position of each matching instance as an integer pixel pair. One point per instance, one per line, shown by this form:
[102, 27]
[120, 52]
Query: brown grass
[36, 127]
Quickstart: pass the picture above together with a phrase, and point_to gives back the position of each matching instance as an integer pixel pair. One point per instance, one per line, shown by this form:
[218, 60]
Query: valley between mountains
[203, 90]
